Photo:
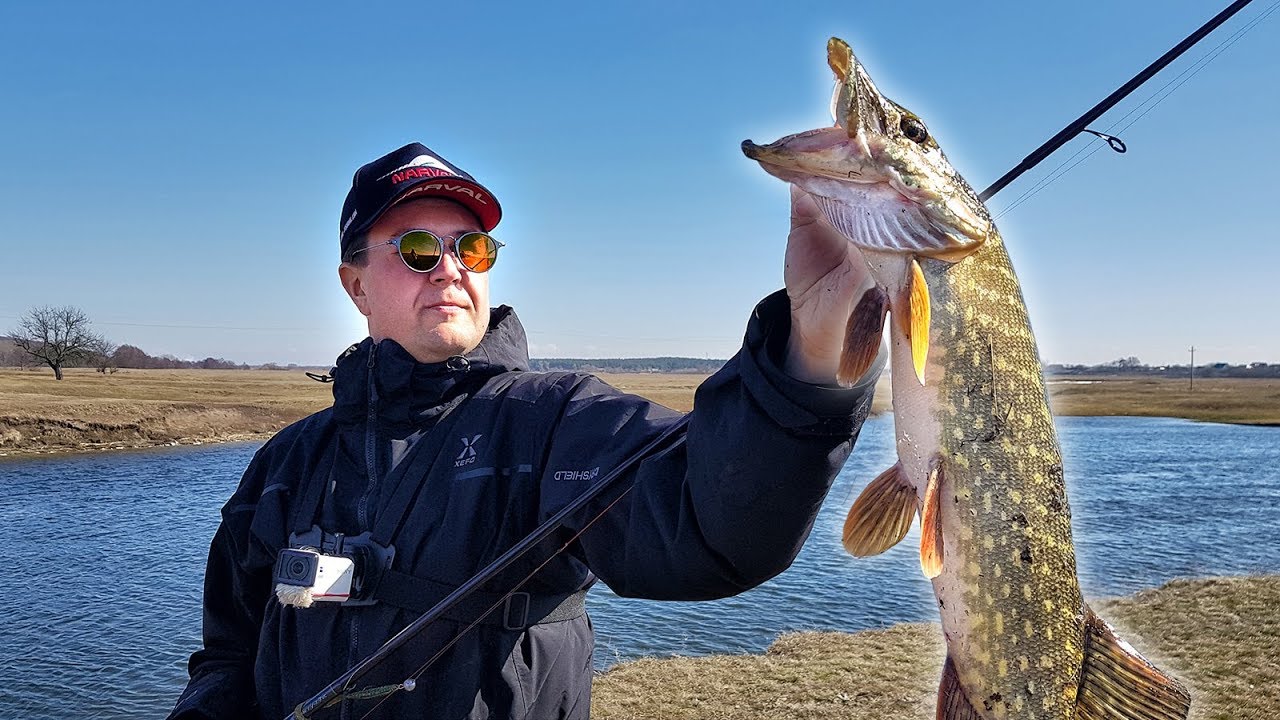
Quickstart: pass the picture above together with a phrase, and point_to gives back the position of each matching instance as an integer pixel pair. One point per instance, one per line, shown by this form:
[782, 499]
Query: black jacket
[725, 511]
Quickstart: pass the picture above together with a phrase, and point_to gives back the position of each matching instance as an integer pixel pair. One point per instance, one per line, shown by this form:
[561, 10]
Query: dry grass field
[1220, 636]
[1231, 400]
[138, 408]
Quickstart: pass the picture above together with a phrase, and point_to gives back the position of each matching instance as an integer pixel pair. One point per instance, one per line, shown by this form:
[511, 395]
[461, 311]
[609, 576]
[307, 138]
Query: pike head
[878, 174]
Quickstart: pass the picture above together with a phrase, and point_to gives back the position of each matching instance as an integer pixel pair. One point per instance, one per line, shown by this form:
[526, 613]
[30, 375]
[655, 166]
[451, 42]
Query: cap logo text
[478, 196]
[421, 161]
[414, 173]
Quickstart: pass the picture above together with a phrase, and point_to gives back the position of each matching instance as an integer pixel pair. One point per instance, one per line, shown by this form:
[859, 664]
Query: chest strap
[518, 612]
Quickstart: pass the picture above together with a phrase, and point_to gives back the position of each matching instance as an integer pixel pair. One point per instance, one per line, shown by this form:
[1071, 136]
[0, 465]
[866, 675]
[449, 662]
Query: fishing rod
[1079, 124]
[342, 687]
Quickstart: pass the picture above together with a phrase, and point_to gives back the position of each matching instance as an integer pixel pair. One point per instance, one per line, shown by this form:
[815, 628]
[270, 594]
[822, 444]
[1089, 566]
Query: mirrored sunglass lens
[420, 250]
[477, 251]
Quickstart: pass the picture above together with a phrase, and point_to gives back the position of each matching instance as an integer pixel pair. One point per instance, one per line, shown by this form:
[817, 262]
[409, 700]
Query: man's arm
[732, 506]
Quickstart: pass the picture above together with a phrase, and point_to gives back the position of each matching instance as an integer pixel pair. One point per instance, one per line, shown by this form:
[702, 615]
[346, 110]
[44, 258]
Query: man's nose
[448, 270]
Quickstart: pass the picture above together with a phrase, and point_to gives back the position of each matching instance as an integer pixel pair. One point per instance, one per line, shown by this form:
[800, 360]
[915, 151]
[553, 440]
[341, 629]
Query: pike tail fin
[1119, 684]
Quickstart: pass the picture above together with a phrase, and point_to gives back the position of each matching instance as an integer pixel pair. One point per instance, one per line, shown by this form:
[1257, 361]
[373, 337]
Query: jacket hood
[381, 379]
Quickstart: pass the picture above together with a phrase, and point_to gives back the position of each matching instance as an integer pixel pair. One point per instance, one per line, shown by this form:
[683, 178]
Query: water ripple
[104, 556]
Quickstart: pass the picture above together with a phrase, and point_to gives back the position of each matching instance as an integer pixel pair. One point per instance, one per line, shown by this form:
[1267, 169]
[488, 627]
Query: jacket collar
[381, 379]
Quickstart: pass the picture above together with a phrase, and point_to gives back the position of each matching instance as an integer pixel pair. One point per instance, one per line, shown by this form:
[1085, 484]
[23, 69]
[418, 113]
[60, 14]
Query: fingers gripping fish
[978, 457]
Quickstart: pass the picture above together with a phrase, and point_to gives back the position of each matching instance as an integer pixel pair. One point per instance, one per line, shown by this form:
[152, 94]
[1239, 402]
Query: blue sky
[177, 169]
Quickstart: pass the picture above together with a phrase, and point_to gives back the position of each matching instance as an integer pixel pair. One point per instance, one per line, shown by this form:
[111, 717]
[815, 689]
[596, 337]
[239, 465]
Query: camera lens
[296, 567]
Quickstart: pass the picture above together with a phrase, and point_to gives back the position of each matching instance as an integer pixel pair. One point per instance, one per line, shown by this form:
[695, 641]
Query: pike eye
[914, 130]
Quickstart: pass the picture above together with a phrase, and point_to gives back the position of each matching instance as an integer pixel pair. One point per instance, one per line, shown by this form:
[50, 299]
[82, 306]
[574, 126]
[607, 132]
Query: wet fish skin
[978, 455]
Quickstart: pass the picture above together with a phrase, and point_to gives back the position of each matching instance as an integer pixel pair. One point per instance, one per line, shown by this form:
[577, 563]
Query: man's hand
[825, 276]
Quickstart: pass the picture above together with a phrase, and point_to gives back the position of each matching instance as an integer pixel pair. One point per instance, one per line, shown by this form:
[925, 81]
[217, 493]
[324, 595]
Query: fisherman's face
[433, 315]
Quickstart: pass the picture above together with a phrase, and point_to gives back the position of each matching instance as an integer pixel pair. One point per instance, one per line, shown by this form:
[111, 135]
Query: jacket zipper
[370, 445]
[362, 510]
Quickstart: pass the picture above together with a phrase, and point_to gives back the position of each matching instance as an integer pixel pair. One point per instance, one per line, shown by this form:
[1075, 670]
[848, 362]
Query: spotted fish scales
[978, 456]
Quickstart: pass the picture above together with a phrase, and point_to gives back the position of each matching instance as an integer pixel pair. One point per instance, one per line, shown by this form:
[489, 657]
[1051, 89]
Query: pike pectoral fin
[919, 332]
[881, 515]
[1118, 684]
[862, 336]
[931, 526]
[952, 703]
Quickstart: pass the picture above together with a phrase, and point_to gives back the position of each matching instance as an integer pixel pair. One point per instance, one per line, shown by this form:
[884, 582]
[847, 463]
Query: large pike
[978, 457]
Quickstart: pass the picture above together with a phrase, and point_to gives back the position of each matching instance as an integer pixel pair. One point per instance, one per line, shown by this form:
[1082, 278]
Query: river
[102, 556]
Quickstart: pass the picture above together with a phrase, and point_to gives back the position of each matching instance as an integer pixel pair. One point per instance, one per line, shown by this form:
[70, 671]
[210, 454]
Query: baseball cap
[412, 171]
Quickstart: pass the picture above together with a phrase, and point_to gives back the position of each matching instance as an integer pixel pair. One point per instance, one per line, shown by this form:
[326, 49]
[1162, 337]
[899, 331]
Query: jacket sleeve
[221, 684]
[731, 506]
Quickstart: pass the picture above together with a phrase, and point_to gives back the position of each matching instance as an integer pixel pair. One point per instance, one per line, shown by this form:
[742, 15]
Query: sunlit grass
[136, 408]
[1220, 636]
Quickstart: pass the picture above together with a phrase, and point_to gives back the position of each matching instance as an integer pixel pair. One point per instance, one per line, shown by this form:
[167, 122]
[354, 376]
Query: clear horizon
[177, 171]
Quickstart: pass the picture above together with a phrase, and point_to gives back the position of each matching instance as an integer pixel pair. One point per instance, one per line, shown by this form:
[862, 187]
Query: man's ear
[353, 282]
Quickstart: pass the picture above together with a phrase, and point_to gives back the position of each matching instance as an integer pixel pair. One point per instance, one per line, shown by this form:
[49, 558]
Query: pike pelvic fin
[1119, 684]
[918, 331]
[862, 336]
[952, 703]
[931, 526]
[881, 515]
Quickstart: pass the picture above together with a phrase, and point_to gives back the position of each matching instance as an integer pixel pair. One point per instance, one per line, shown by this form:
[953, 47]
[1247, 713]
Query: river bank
[1220, 636]
[89, 411]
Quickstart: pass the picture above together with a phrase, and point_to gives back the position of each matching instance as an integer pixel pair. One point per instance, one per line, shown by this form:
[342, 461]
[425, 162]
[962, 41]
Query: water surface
[103, 556]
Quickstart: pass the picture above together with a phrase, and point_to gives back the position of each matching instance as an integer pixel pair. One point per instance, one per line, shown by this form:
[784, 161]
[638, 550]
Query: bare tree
[102, 354]
[56, 336]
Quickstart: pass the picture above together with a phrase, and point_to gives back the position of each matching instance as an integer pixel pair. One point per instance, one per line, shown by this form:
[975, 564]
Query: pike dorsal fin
[952, 703]
[1119, 684]
[862, 336]
[882, 514]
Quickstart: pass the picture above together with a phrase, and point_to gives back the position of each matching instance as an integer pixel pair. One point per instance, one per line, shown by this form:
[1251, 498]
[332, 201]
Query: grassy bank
[1228, 400]
[1220, 636]
[140, 408]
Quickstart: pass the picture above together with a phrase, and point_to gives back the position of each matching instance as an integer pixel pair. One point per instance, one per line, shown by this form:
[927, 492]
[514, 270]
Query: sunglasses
[421, 250]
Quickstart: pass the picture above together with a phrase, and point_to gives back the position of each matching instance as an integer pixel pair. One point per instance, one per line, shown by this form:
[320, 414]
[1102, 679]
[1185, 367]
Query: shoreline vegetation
[1219, 636]
[132, 409]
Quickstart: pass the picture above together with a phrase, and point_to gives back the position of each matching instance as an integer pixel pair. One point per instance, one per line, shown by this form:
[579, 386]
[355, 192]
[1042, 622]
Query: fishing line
[1181, 79]
[1081, 123]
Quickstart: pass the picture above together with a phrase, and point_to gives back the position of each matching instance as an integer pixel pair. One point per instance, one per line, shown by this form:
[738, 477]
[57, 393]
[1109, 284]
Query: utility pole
[1193, 368]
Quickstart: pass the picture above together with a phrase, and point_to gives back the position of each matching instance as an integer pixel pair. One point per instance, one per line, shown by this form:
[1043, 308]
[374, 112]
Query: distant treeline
[130, 356]
[1131, 366]
[125, 356]
[629, 365]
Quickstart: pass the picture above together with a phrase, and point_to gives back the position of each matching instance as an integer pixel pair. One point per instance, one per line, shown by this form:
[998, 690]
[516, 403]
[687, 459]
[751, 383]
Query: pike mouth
[823, 152]
[865, 199]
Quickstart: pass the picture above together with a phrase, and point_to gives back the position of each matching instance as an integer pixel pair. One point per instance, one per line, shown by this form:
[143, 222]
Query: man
[441, 451]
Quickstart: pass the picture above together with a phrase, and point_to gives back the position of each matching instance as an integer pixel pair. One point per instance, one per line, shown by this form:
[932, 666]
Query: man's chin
[444, 342]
